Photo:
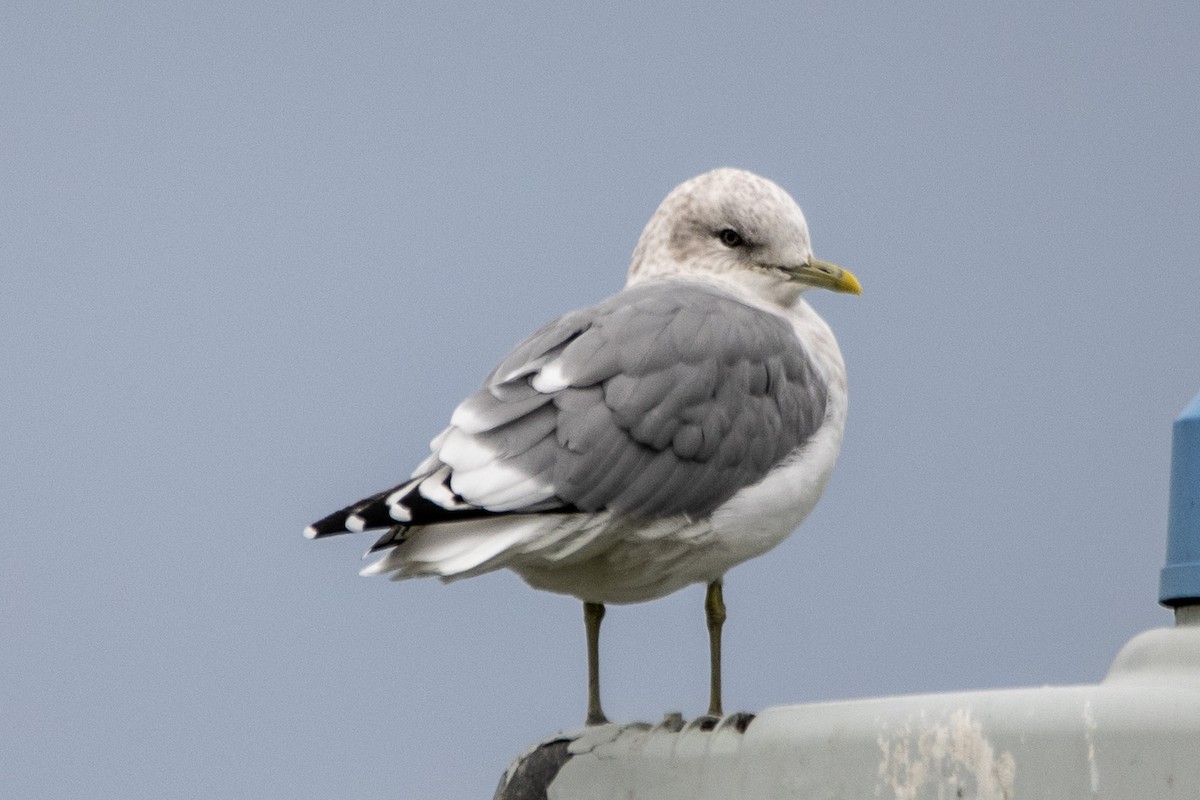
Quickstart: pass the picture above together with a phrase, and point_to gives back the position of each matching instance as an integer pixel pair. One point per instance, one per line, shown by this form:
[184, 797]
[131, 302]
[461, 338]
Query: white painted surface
[1134, 735]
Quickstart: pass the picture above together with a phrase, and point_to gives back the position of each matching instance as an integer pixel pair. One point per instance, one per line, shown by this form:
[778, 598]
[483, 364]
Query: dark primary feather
[335, 523]
[678, 397]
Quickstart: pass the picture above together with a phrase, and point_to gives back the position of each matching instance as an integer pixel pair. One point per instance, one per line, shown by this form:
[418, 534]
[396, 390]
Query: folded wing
[663, 400]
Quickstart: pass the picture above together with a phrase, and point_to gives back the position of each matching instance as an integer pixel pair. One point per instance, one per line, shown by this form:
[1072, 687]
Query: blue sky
[254, 254]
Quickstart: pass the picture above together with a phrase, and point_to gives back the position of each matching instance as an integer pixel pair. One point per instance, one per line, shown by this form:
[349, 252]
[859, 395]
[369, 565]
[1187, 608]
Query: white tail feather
[454, 548]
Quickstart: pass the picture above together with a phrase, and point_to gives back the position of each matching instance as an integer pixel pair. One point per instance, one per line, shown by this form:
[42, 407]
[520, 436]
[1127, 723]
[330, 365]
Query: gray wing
[664, 399]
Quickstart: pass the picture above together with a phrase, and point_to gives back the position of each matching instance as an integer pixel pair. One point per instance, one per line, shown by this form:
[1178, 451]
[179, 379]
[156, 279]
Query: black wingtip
[375, 515]
[329, 526]
[335, 523]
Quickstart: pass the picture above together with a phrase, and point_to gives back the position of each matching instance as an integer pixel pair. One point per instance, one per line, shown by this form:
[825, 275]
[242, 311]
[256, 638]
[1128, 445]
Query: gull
[653, 441]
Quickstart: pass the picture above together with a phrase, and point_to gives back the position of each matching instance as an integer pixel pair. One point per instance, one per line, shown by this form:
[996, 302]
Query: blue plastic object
[1180, 583]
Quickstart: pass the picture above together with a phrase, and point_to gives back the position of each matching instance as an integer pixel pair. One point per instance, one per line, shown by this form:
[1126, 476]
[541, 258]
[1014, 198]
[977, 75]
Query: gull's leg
[592, 614]
[714, 611]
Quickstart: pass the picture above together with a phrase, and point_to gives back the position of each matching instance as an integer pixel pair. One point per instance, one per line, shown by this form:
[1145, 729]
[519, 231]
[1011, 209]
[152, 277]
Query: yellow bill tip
[832, 277]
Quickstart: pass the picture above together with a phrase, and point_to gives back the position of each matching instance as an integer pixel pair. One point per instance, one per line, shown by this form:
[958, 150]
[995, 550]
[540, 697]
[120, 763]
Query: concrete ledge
[1135, 735]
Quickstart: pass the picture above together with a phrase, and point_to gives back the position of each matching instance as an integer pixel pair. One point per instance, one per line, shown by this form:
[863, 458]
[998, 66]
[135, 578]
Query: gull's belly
[633, 563]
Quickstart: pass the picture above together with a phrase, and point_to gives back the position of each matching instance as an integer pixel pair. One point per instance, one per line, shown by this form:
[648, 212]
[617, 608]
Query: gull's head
[740, 229]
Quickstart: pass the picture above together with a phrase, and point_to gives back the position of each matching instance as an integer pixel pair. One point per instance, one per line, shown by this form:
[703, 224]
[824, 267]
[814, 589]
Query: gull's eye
[731, 238]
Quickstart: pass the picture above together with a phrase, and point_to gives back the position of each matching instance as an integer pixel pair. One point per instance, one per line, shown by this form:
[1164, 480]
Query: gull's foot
[672, 721]
[739, 721]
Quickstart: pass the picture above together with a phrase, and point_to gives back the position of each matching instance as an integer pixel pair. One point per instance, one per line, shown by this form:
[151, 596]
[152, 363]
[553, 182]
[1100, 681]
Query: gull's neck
[764, 292]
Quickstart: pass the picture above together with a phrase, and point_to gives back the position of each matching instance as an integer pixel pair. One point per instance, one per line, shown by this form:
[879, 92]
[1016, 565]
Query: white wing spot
[551, 378]
[434, 490]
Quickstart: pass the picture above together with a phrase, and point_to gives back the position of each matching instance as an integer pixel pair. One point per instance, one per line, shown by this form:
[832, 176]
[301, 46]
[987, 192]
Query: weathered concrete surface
[1135, 735]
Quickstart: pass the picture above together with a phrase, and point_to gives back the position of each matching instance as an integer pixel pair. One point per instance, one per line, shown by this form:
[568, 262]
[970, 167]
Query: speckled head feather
[685, 234]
